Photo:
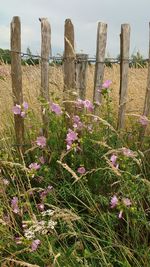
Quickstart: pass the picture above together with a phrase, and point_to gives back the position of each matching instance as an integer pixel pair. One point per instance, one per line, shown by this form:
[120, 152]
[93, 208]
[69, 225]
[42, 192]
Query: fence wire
[108, 60]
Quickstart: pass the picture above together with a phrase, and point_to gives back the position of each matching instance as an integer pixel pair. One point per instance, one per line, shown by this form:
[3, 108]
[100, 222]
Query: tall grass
[79, 197]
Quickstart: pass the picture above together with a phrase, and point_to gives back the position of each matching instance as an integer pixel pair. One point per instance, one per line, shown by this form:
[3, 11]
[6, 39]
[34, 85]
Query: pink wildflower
[35, 244]
[44, 193]
[22, 114]
[77, 123]
[127, 152]
[14, 205]
[114, 201]
[120, 214]
[113, 160]
[143, 120]
[34, 166]
[88, 105]
[81, 170]
[71, 137]
[40, 206]
[107, 84]
[56, 109]
[16, 109]
[126, 202]
[79, 103]
[18, 240]
[42, 160]
[25, 105]
[41, 141]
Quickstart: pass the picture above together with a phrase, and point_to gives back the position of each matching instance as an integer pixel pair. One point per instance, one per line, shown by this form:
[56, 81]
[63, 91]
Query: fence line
[90, 59]
[74, 67]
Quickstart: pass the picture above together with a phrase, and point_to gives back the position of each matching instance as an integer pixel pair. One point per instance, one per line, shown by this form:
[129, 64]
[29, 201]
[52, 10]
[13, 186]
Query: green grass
[87, 231]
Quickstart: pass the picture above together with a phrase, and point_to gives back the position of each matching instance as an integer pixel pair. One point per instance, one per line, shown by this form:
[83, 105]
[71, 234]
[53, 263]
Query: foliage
[79, 196]
[5, 56]
[137, 61]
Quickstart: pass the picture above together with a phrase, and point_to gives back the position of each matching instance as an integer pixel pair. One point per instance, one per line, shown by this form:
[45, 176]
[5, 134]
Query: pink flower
[127, 152]
[88, 105]
[120, 214]
[77, 123]
[143, 120]
[22, 114]
[40, 206]
[35, 244]
[80, 103]
[25, 105]
[44, 193]
[113, 160]
[56, 108]
[81, 170]
[16, 109]
[42, 160]
[14, 205]
[106, 84]
[114, 201]
[41, 141]
[18, 240]
[71, 137]
[34, 166]
[126, 202]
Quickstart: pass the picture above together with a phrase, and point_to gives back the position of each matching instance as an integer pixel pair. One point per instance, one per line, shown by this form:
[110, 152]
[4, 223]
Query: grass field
[78, 196]
[31, 88]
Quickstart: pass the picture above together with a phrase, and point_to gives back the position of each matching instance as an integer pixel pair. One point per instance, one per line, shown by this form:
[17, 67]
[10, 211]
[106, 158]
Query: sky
[85, 15]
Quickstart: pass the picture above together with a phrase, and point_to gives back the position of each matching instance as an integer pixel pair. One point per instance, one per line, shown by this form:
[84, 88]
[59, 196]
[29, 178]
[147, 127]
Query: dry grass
[31, 88]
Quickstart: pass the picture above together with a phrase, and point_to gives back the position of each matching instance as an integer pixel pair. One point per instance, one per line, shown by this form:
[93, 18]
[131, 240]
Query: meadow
[78, 196]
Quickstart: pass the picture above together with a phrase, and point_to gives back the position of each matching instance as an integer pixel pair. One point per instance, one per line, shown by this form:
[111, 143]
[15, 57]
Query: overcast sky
[84, 14]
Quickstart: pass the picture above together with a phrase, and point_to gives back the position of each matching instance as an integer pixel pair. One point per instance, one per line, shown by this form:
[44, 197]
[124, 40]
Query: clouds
[84, 14]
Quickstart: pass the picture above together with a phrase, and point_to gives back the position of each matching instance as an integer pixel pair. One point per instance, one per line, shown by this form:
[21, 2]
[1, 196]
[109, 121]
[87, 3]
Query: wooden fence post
[45, 53]
[69, 62]
[146, 110]
[100, 57]
[124, 67]
[16, 76]
[81, 74]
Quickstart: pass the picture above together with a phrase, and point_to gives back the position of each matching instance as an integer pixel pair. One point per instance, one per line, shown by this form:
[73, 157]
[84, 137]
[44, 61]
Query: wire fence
[111, 60]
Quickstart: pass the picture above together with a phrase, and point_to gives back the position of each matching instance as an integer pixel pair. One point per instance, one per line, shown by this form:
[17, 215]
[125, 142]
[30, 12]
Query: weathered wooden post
[69, 63]
[146, 110]
[81, 74]
[45, 53]
[100, 57]
[124, 67]
[16, 76]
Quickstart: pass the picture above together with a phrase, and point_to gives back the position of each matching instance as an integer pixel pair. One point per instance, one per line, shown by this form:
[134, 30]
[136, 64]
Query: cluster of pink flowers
[41, 141]
[115, 202]
[85, 104]
[20, 110]
[77, 122]
[71, 137]
[14, 205]
[143, 120]
[56, 108]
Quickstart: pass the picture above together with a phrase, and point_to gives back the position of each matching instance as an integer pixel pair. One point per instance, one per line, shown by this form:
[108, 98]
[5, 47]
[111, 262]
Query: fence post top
[41, 19]
[68, 21]
[15, 19]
